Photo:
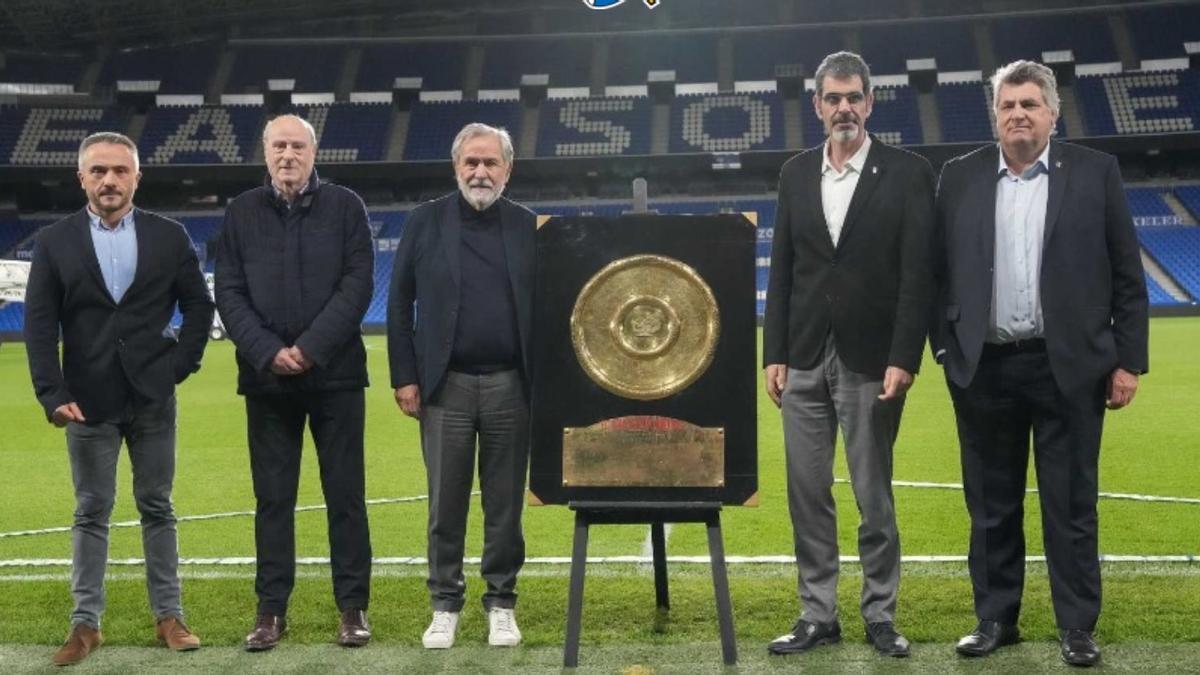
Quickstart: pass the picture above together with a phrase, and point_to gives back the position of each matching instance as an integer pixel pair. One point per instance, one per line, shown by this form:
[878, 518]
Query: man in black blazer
[459, 336]
[845, 325]
[108, 279]
[295, 274]
[1040, 318]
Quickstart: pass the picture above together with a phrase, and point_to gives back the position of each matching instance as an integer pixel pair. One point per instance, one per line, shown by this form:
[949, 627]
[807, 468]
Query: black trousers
[1014, 393]
[488, 410]
[276, 433]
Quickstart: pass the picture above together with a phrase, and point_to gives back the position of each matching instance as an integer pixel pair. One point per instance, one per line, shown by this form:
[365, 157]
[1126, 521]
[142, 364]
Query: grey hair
[843, 66]
[110, 137]
[1020, 72]
[312, 133]
[479, 129]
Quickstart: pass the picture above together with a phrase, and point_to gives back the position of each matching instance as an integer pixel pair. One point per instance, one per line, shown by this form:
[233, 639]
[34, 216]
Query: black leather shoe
[354, 630]
[268, 630]
[805, 636]
[884, 638]
[987, 637]
[1079, 648]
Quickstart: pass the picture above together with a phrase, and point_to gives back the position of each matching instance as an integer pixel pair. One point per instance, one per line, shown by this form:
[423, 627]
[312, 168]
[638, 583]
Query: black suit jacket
[1093, 292]
[424, 296]
[874, 288]
[113, 350]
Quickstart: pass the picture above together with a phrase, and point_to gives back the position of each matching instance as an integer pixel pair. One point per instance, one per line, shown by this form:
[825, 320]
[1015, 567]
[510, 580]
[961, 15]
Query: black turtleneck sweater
[485, 339]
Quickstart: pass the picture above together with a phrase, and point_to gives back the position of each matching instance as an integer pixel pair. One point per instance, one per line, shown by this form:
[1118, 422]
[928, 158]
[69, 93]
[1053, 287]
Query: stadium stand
[201, 135]
[1177, 249]
[315, 68]
[1149, 208]
[692, 57]
[963, 112]
[727, 123]
[594, 126]
[1159, 297]
[12, 232]
[895, 118]
[1140, 103]
[433, 125]
[56, 69]
[566, 61]
[186, 69]
[756, 55]
[1086, 35]
[887, 47]
[439, 65]
[348, 132]
[1159, 32]
[1189, 196]
[36, 136]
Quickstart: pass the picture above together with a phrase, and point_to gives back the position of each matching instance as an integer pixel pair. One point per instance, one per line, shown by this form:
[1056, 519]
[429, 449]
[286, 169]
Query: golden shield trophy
[644, 372]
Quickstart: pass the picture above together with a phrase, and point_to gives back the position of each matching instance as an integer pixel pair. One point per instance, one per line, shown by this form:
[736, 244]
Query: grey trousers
[491, 409]
[149, 432]
[815, 403]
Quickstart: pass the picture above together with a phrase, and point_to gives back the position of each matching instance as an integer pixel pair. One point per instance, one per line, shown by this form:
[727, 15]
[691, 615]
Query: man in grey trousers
[847, 309]
[108, 278]
[459, 335]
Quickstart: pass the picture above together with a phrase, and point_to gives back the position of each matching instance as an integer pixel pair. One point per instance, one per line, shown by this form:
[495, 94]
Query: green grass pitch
[1150, 449]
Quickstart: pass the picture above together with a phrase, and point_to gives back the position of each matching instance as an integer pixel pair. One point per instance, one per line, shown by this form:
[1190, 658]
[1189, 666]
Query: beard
[844, 135]
[480, 194]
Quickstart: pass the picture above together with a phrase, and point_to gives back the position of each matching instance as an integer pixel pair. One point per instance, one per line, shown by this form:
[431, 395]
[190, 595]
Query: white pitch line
[595, 560]
[1103, 495]
[217, 516]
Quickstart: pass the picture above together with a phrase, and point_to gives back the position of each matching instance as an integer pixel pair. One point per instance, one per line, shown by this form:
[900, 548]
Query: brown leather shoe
[82, 641]
[354, 630]
[174, 633]
[268, 630]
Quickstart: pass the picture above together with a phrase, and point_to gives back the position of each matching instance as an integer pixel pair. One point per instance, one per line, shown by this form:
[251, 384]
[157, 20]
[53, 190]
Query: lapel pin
[874, 169]
[1058, 165]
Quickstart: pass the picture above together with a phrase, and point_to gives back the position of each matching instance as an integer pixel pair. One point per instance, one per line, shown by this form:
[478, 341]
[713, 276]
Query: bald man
[294, 279]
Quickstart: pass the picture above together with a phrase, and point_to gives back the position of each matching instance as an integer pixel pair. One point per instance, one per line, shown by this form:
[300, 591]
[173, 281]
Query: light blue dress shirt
[116, 251]
[1020, 227]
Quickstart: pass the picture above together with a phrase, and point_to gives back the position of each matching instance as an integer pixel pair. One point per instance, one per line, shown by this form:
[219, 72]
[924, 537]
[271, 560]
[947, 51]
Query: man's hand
[300, 357]
[285, 364]
[896, 382]
[408, 398]
[1122, 385]
[775, 375]
[67, 412]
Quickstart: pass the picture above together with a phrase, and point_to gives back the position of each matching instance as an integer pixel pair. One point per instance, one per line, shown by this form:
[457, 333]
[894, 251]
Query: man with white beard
[459, 322]
[847, 308]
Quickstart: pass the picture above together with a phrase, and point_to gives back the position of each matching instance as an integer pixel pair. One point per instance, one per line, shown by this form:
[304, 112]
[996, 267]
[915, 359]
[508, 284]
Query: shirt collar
[126, 221]
[1042, 165]
[856, 161]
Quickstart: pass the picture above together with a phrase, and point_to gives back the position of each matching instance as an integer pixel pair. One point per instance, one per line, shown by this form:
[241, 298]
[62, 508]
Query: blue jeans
[148, 430]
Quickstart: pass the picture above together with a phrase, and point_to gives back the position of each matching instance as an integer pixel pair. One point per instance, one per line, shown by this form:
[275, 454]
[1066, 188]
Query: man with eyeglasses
[847, 307]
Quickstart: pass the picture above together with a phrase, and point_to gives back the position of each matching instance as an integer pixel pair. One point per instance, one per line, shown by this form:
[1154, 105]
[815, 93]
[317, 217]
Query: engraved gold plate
[645, 327]
[643, 451]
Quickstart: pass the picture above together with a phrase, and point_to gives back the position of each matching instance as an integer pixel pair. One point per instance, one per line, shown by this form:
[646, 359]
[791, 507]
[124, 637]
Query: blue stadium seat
[432, 126]
[186, 69]
[1177, 249]
[1159, 297]
[756, 54]
[1159, 32]
[13, 232]
[1140, 103]
[36, 136]
[349, 132]
[201, 135]
[1149, 208]
[59, 69]
[440, 65]
[567, 62]
[377, 311]
[692, 57]
[315, 68]
[1189, 195]
[963, 112]
[1086, 35]
[595, 126]
[887, 47]
[727, 123]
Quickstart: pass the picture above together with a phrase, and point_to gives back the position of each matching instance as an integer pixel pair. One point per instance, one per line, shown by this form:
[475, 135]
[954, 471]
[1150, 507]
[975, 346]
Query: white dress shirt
[837, 188]
[1020, 227]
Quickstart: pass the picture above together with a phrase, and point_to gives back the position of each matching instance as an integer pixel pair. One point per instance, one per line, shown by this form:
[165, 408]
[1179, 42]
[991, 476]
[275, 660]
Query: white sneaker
[441, 631]
[502, 628]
